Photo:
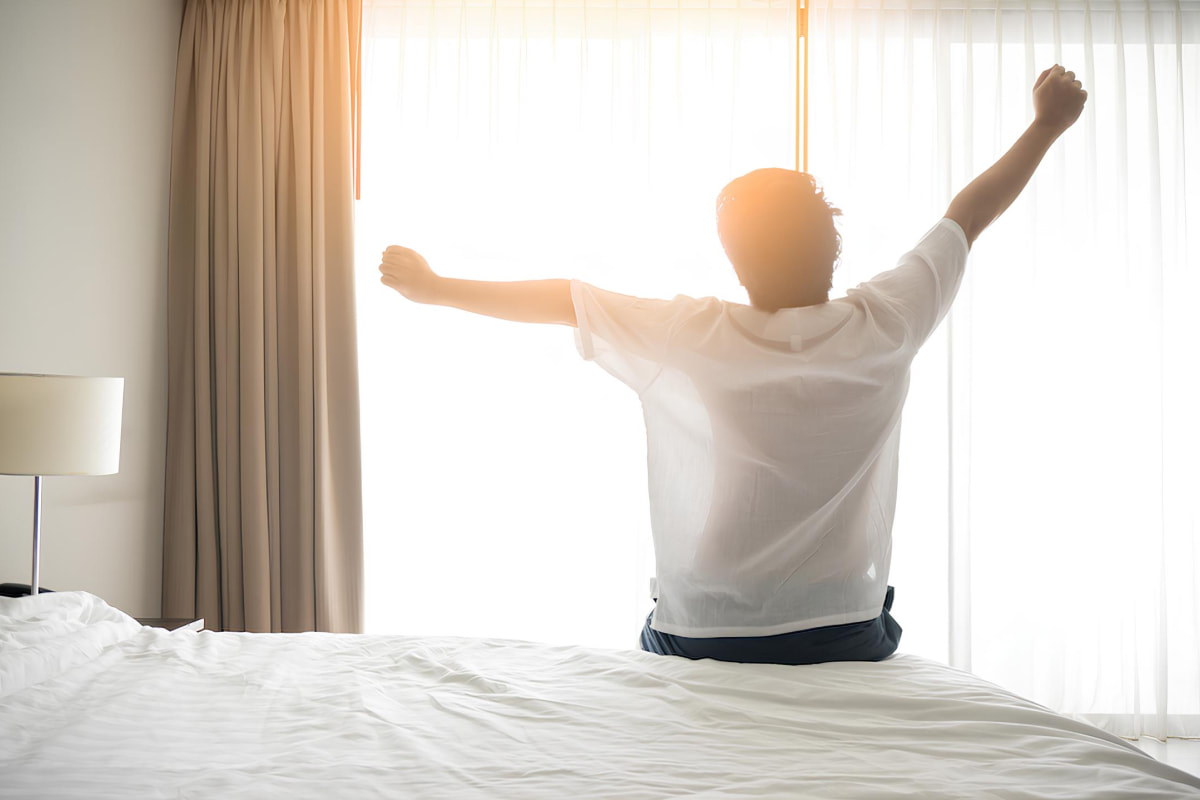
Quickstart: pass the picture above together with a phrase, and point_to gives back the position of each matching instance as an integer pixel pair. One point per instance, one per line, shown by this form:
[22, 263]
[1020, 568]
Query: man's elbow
[962, 213]
[566, 304]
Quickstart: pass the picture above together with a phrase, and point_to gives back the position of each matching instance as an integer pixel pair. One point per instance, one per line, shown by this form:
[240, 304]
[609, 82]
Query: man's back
[772, 441]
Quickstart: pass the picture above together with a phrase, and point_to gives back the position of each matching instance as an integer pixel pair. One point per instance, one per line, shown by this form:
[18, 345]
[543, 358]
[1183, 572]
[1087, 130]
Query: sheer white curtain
[505, 478]
[1046, 529]
[1049, 501]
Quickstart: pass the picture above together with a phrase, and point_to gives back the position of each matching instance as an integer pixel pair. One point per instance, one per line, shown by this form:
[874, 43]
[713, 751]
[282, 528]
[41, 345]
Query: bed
[94, 705]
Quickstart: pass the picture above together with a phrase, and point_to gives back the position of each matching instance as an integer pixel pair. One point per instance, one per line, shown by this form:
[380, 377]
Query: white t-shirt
[772, 440]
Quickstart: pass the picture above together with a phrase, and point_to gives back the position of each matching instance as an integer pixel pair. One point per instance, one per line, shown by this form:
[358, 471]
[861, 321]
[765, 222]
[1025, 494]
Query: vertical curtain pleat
[263, 517]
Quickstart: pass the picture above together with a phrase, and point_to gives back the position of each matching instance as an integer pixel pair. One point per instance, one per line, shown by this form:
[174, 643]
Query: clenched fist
[1058, 98]
[409, 274]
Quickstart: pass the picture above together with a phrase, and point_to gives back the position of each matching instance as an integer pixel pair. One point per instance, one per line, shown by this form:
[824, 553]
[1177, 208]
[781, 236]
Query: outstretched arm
[1057, 100]
[547, 301]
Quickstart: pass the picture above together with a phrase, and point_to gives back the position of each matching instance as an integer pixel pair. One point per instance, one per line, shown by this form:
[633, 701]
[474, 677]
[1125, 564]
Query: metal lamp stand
[37, 531]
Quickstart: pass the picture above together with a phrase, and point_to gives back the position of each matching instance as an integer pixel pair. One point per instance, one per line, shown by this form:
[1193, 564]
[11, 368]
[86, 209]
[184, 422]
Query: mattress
[94, 705]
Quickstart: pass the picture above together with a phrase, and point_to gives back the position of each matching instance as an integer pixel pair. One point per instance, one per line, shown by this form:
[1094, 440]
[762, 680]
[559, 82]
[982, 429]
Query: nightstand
[181, 624]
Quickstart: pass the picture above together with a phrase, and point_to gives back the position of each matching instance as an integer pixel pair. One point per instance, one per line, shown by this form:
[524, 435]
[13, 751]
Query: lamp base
[19, 590]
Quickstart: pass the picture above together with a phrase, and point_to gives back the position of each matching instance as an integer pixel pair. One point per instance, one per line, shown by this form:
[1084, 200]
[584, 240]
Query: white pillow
[44, 636]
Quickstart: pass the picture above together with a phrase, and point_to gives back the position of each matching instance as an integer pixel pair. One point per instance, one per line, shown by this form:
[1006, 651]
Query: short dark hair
[775, 224]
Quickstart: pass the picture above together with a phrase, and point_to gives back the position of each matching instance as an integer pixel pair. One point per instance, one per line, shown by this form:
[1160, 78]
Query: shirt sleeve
[630, 337]
[923, 285]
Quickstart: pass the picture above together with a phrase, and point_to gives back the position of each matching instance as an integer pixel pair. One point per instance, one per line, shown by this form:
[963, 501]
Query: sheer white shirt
[772, 440]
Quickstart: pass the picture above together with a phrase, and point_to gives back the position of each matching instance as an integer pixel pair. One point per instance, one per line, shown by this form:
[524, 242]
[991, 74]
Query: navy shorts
[873, 640]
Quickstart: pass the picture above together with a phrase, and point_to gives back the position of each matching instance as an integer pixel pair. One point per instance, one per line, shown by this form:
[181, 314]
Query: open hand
[1058, 98]
[409, 274]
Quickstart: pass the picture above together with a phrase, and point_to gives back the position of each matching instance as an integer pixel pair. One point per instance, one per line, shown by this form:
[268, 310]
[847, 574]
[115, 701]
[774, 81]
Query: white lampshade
[60, 424]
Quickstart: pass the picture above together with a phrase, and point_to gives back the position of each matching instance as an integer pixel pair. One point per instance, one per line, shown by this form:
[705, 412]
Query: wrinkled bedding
[94, 705]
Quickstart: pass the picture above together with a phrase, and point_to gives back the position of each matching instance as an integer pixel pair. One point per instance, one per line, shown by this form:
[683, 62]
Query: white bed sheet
[94, 705]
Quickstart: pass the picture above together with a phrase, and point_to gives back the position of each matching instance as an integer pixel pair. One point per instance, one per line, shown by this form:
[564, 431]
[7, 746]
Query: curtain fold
[263, 521]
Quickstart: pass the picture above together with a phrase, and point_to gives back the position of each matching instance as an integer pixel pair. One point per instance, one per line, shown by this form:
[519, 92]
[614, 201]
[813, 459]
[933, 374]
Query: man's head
[777, 229]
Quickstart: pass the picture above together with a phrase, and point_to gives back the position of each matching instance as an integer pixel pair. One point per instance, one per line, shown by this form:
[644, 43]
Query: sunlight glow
[505, 477]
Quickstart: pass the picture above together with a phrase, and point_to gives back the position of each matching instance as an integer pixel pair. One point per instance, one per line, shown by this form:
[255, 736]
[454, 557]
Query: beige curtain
[263, 520]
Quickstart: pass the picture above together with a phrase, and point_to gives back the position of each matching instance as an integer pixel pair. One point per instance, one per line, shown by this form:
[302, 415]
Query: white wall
[86, 89]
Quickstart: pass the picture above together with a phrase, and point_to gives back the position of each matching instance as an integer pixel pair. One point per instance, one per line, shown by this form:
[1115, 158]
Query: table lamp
[58, 425]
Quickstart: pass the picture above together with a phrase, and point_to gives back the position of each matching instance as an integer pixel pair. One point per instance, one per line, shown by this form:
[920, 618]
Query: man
[773, 429]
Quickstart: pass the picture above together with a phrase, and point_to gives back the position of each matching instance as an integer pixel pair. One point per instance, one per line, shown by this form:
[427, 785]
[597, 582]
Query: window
[1046, 530]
